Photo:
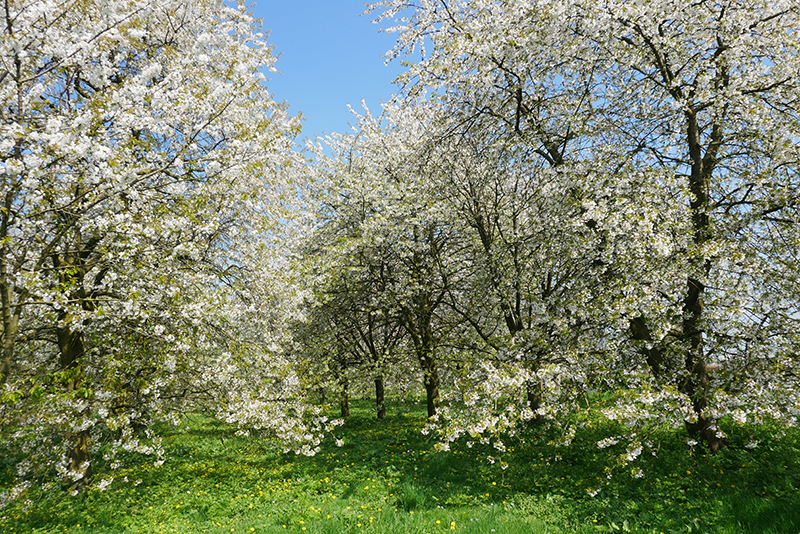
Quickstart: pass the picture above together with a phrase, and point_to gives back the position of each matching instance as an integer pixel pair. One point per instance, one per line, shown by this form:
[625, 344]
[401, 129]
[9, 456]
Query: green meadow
[386, 478]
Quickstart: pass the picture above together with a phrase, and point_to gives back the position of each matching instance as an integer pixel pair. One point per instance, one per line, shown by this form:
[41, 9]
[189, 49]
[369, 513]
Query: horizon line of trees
[568, 197]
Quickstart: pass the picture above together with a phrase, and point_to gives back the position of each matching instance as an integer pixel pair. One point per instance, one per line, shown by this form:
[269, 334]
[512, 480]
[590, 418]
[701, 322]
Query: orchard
[572, 215]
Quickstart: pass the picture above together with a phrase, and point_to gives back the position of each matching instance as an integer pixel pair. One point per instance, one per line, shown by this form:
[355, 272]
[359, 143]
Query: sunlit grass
[387, 479]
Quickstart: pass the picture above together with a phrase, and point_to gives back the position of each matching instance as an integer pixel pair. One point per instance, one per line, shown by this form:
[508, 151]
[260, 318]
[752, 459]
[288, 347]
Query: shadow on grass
[388, 474]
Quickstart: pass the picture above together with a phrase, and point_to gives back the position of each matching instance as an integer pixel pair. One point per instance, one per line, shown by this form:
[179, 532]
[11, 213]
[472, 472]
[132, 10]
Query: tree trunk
[80, 458]
[534, 394]
[71, 346]
[380, 398]
[9, 334]
[696, 384]
[432, 388]
[422, 338]
[10, 320]
[653, 355]
[344, 401]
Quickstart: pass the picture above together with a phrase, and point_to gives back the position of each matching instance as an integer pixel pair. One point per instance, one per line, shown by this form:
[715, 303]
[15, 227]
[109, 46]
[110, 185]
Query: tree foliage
[659, 143]
[144, 175]
[568, 201]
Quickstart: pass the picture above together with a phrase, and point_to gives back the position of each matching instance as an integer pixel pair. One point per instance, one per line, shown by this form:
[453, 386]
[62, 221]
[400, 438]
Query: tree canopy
[145, 172]
[569, 206]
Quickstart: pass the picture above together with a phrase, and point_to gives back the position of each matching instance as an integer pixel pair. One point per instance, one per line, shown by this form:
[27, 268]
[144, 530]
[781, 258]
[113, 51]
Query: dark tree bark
[10, 325]
[703, 164]
[344, 400]
[418, 324]
[71, 351]
[703, 142]
[534, 394]
[380, 398]
[72, 267]
[432, 388]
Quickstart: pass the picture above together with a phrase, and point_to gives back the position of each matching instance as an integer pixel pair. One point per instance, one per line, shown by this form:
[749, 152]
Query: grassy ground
[386, 479]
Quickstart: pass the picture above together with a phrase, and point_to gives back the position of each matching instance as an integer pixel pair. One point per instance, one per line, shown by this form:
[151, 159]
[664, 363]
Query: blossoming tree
[682, 120]
[143, 164]
[382, 231]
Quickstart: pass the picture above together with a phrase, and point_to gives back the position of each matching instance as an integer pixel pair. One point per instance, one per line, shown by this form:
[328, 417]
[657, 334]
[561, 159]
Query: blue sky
[330, 56]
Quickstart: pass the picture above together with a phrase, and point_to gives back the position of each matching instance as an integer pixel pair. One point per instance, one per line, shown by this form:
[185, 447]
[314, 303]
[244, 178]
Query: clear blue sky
[329, 57]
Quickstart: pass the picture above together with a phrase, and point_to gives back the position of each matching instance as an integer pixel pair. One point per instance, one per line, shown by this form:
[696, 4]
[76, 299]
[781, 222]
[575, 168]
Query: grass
[387, 479]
